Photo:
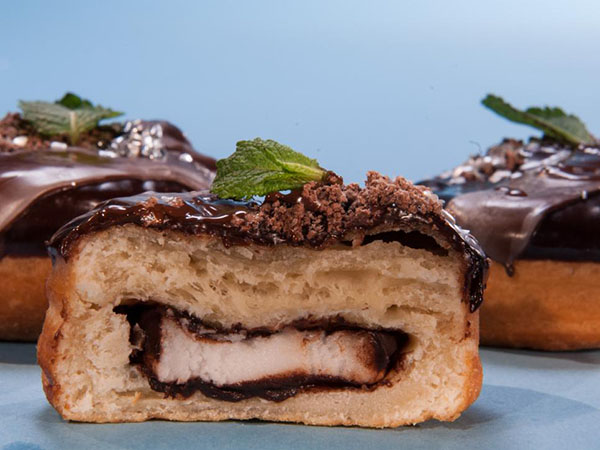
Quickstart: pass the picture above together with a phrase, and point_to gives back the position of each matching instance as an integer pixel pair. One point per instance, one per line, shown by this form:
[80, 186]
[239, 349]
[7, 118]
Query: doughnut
[45, 183]
[535, 209]
[329, 305]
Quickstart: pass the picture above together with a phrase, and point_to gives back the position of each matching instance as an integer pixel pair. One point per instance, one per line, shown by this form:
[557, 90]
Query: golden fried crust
[475, 370]
[546, 305]
[23, 297]
[47, 349]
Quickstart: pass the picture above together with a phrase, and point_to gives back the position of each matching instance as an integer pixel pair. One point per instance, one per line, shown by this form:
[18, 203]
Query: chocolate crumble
[322, 211]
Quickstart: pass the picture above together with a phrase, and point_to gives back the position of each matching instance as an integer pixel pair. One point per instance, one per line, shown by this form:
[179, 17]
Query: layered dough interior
[275, 333]
[180, 355]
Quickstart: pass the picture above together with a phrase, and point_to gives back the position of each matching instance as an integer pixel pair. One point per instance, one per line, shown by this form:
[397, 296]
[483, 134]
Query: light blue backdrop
[391, 86]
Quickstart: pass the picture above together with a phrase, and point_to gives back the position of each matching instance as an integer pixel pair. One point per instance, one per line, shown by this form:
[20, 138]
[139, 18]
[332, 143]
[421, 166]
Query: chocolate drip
[42, 189]
[538, 200]
[145, 336]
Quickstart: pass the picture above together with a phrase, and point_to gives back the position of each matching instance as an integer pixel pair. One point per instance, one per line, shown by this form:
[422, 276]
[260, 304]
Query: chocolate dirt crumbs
[322, 211]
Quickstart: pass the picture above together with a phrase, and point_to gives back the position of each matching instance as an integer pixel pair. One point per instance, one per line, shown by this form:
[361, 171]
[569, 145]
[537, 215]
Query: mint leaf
[554, 122]
[73, 101]
[260, 167]
[70, 115]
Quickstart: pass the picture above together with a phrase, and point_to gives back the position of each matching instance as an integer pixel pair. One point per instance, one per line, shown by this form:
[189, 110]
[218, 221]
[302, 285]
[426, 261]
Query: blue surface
[382, 85]
[392, 86]
[529, 400]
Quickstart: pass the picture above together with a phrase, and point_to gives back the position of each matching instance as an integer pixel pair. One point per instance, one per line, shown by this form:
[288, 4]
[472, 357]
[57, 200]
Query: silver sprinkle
[140, 140]
[186, 157]
[133, 148]
[54, 145]
[457, 180]
[499, 175]
[458, 171]
[20, 141]
[584, 195]
[107, 153]
[147, 140]
[531, 165]
[156, 130]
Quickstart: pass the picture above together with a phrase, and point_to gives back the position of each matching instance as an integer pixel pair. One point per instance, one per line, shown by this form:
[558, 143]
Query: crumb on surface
[322, 210]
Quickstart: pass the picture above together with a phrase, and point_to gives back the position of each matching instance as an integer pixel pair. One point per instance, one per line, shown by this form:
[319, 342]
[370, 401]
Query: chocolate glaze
[240, 223]
[40, 190]
[191, 213]
[538, 200]
[144, 320]
[26, 236]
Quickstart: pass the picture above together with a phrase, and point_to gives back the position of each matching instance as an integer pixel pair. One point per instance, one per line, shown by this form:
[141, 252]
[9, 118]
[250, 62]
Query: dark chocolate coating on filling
[388, 345]
[203, 213]
[40, 190]
[534, 201]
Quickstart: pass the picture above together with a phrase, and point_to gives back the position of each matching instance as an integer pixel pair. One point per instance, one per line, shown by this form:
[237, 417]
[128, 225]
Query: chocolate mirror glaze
[145, 336]
[42, 189]
[535, 200]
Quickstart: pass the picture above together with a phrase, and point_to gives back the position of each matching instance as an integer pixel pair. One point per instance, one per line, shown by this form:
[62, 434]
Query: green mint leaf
[554, 122]
[70, 115]
[73, 101]
[260, 167]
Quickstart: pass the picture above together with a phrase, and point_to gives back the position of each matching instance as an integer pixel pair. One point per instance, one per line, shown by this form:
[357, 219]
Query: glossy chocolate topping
[537, 200]
[43, 188]
[318, 216]
[145, 336]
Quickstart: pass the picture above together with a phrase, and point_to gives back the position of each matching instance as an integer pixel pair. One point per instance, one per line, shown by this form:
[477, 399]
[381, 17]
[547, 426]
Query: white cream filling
[228, 361]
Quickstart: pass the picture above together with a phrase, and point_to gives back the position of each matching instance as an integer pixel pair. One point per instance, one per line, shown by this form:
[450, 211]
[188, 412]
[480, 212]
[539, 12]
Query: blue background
[392, 86]
[389, 86]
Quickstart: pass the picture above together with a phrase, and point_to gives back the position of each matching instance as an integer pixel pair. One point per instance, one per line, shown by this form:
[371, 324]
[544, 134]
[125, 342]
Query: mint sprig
[260, 167]
[71, 115]
[554, 122]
